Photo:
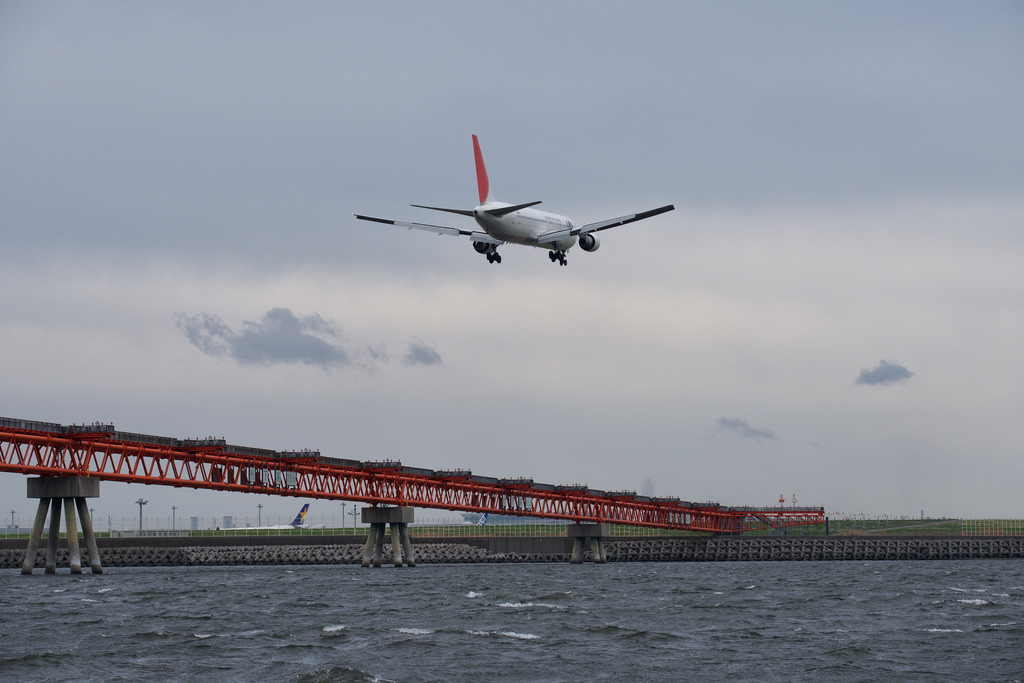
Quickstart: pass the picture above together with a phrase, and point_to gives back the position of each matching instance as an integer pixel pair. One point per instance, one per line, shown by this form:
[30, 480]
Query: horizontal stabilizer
[505, 210]
[461, 212]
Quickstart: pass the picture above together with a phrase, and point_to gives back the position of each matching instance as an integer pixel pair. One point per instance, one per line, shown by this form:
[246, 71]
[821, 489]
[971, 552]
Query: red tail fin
[481, 173]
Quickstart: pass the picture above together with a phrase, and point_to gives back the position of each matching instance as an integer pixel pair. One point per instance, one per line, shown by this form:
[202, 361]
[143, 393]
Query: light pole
[12, 519]
[355, 511]
[342, 516]
[141, 503]
[173, 508]
[259, 514]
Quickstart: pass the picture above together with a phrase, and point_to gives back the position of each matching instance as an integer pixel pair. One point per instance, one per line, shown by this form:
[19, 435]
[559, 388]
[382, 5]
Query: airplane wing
[604, 225]
[475, 235]
[623, 220]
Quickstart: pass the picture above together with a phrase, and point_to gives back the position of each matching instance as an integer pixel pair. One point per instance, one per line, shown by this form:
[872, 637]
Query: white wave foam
[252, 633]
[104, 590]
[943, 630]
[520, 636]
[506, 634]
[975, 601]
[416, 631]
[203, 636]
[474, 594]
[523, 605]
[334, 628]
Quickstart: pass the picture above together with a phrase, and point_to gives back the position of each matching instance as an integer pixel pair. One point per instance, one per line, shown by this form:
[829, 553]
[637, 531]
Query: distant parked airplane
[518, 223]
[298, 523]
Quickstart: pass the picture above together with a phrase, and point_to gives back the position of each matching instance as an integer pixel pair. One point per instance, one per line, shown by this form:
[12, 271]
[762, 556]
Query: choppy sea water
[756, 621]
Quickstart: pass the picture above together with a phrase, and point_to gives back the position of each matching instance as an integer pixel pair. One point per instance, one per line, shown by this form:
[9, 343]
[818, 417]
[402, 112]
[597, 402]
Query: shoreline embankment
[340, 549]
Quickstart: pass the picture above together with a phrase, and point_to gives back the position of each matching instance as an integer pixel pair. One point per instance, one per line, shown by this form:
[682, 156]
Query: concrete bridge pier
[69, 493]
[379, 518]
[371, 546]
[596, 533]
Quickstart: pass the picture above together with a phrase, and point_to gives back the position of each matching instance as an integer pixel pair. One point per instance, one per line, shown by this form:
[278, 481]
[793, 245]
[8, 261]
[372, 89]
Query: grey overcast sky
[834, 311]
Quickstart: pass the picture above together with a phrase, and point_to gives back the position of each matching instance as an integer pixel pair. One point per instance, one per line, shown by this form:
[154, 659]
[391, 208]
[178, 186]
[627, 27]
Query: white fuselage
[524, 226]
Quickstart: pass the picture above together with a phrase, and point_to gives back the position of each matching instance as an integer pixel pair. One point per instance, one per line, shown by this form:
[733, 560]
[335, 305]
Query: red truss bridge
[102, 452]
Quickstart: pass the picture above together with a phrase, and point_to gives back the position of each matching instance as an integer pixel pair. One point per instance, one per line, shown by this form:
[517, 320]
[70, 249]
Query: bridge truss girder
[96, 454]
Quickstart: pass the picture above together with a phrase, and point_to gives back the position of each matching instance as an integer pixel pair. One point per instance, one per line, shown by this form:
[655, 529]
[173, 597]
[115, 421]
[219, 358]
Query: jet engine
[484, 247]
[588, 242]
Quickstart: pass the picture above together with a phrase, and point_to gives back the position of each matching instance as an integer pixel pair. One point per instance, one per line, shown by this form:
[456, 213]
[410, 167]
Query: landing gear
[488, 249]
[557, 256]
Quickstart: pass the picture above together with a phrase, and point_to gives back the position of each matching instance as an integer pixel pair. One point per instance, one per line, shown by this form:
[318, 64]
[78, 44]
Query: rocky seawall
[153, 553]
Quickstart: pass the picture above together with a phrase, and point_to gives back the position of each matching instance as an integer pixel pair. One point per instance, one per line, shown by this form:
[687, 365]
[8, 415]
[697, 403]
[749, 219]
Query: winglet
[483, 185]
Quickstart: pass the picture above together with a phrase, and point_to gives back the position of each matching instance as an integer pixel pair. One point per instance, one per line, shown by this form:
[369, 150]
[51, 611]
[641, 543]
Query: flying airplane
[298, 523]
[518, 223]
